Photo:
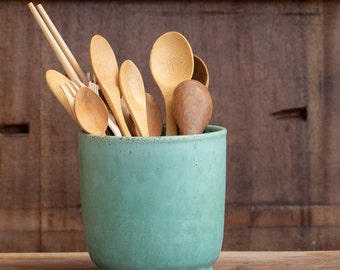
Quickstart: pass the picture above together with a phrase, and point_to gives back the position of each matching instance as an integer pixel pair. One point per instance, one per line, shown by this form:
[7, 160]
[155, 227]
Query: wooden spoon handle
[171, 125]
[113, 126]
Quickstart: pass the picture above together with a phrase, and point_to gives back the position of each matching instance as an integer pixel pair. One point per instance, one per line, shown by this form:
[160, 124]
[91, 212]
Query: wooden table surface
[228, 260]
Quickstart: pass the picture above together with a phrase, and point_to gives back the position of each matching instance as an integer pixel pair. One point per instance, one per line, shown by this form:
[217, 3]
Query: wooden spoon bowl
[192, 107]
[201, 72]
[171, 62]
[54, 79]
[91, 112]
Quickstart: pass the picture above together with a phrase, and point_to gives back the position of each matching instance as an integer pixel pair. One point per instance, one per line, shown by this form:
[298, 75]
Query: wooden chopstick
[54, 44]
[61, 43]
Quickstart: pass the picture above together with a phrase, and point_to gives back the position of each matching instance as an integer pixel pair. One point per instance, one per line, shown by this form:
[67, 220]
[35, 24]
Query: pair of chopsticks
[61, 50]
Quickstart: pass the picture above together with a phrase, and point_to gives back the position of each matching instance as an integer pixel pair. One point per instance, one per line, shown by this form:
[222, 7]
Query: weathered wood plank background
[274, 68]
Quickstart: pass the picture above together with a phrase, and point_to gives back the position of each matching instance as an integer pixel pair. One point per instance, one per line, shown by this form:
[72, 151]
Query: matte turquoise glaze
[154, 202]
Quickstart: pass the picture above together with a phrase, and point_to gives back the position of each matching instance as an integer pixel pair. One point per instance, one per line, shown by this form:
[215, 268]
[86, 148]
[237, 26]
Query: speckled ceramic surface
[154, 202]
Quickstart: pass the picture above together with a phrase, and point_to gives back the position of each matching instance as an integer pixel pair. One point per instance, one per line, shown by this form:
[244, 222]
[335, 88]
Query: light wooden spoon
[105, 68]
[155, 120]
[70, 98]
[132, 87]
[128, 119]
[171, 62]
[91, 111]
[154, 114]
[54, 79]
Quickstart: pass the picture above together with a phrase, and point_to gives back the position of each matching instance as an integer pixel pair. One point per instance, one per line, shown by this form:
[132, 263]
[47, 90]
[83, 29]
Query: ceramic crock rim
[212, 132]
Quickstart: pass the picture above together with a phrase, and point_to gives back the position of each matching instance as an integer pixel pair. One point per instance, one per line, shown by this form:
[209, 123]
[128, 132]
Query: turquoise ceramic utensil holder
[154, 202]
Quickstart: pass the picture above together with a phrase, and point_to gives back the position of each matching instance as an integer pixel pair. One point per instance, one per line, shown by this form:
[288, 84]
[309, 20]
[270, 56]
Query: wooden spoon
[54, 79]
[70, 98]
[91, 111]
[155, 120]
[154, 114]
[95, 88]
[132, 87]
[192, 107]
[171, 62]
[201, 72]
[105, 68]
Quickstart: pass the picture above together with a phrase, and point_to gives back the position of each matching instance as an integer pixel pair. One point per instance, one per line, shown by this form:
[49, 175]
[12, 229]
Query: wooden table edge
[228, 260]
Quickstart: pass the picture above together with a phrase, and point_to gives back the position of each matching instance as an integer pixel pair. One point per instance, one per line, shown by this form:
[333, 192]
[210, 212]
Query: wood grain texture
[294, 227]
[331, 99]
[265, 59]
[19, 152]
[329, 260]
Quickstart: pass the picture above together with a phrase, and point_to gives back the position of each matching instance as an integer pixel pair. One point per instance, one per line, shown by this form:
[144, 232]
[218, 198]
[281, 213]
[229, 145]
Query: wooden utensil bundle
[135, 113]
[73, 70]
[66, 58]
